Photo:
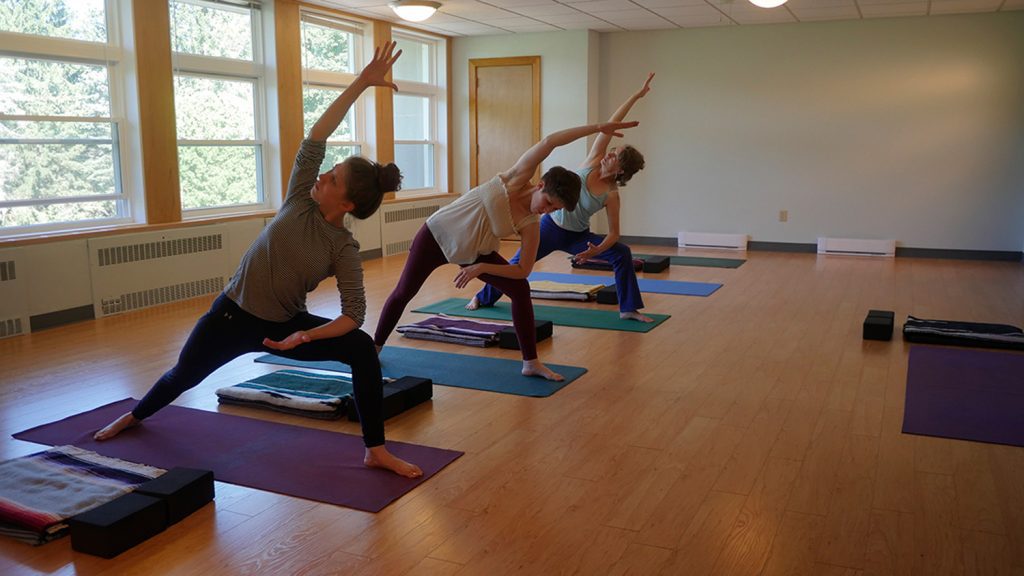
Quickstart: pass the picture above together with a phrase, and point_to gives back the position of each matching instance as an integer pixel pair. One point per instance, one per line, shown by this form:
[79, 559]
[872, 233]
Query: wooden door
[504, 113]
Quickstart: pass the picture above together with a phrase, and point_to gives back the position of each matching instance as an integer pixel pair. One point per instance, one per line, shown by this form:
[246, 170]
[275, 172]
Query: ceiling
[487, 17]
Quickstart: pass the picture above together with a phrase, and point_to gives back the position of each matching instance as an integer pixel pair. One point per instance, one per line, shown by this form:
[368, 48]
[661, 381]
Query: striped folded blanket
[39, 492]
[972, 334]
[294, 392]
[453, 330]
[549, 290]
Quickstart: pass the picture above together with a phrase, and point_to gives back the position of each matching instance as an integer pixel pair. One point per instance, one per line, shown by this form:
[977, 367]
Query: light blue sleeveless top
[579, 219]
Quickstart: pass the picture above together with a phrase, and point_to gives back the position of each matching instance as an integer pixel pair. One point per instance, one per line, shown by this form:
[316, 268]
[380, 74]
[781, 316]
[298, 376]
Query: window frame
[436, 92]
[233, 70]
[119, 66]
[333, 80]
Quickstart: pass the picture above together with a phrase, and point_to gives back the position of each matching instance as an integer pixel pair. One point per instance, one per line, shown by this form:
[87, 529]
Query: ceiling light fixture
[768, 3]
[414, 10]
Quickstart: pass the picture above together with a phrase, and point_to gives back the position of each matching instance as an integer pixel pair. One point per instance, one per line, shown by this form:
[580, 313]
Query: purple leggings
[425, 256]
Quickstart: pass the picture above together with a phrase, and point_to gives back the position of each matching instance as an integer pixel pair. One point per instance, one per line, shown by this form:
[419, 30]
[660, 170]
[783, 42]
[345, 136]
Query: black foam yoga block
[608, 295]
[116, 526]
[183, 490]
[656, 264]
[400, 395]
[878, 325]
[507, 337]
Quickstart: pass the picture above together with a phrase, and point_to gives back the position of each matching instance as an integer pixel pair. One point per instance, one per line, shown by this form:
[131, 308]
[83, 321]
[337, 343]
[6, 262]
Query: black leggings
[227, 331]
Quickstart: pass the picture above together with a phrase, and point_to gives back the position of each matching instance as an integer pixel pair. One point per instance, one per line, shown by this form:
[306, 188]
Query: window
[219, 104]
[419, 108]
[332, 52]
[61, 116]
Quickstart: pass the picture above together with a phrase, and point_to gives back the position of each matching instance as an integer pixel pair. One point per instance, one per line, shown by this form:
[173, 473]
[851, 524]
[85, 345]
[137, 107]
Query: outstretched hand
[646, 87]
[375, 73]
[294, 339]
[612, 128]
[466, 273]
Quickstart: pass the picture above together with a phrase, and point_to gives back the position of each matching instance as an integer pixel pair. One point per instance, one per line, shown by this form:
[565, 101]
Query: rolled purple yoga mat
[293, 460]
[965, 393]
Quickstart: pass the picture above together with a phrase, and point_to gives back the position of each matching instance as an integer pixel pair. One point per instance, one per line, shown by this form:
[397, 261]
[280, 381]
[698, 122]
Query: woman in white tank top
[468, 232]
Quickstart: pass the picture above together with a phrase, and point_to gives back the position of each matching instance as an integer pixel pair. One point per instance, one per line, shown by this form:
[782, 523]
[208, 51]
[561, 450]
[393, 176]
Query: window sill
[48, 237]
[426, 196]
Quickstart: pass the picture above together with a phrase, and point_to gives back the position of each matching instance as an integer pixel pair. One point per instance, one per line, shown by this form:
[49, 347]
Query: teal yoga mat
[458, 370]
[699, 261]
[647, 285]
[560, 315]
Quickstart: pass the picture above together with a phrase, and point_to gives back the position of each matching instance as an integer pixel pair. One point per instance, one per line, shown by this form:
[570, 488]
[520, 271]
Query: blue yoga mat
[646, 285]
[459, 370]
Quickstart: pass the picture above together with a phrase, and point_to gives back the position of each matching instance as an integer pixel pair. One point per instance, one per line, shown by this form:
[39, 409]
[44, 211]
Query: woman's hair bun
[389, 177]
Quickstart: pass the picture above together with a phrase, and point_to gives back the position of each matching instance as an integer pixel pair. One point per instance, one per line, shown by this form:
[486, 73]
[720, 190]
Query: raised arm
[601, 142]
[519, 175]
[374, 74]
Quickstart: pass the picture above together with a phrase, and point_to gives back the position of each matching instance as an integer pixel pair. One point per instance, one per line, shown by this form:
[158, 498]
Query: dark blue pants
[226, 332]
[553, 237]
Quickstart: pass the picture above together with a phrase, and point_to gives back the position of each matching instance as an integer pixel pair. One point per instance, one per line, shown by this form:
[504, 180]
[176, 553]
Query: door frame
[476, 63]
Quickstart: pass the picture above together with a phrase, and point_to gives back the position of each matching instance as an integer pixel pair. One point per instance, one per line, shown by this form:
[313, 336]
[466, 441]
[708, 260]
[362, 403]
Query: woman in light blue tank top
[601, 173]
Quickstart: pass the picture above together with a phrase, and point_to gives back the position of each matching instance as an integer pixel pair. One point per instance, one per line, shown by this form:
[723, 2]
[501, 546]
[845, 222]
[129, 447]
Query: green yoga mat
[562, 316]
[459, 370]
[699, 261]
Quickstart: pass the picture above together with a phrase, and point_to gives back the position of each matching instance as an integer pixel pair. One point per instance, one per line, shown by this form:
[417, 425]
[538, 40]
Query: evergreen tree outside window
[219, 105]
[61, 116]
[332, 52]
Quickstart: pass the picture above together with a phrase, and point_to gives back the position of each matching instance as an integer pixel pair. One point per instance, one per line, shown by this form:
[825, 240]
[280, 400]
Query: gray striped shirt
[296, 251]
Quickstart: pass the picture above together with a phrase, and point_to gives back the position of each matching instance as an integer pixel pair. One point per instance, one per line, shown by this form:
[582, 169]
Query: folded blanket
[972, 334]
[294, 392]
[549, 290]
[39, 492]
[458, 331]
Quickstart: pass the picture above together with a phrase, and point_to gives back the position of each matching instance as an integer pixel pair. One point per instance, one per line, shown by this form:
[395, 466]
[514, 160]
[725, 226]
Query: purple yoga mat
[965, 394]
[303, 462]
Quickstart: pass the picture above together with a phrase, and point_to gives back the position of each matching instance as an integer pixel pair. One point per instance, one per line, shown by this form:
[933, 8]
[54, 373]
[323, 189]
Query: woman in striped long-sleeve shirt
[263, 307]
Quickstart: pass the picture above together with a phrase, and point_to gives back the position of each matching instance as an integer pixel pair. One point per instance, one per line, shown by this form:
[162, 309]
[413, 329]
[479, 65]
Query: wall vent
[14, 316]
[126, 253]
[401, 221]
[397, 247]
[150, 268]
[10, 327]
[713, 240]
[857, 247]
[414, 213]
[7, 271]
[162, 295]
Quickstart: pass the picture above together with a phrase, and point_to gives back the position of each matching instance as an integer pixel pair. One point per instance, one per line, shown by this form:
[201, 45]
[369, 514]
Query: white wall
[909, 128]
[565, 99]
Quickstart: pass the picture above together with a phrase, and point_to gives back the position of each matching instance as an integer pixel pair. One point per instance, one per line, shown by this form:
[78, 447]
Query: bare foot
[379, 457]
[117, 426]
[535, 368]
[634, 315]
[473, 304]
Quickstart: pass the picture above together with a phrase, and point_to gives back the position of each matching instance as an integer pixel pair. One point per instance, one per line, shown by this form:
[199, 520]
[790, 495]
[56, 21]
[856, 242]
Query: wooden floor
[754, 432]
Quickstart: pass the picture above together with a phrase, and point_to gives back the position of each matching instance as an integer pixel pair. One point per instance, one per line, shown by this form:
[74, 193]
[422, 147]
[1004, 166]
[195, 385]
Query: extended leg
[222, 334]
[425, 256]
[518, 290]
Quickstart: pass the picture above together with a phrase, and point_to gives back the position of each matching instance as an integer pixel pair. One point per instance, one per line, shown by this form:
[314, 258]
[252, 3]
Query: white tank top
[474, 224]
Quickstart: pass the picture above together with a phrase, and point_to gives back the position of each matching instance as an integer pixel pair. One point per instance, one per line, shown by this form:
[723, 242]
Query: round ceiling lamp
[414, 10]
[768, 3]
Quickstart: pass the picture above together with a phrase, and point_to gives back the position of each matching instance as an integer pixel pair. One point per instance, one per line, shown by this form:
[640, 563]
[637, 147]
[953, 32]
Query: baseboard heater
[713, 240]
[857, 247]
